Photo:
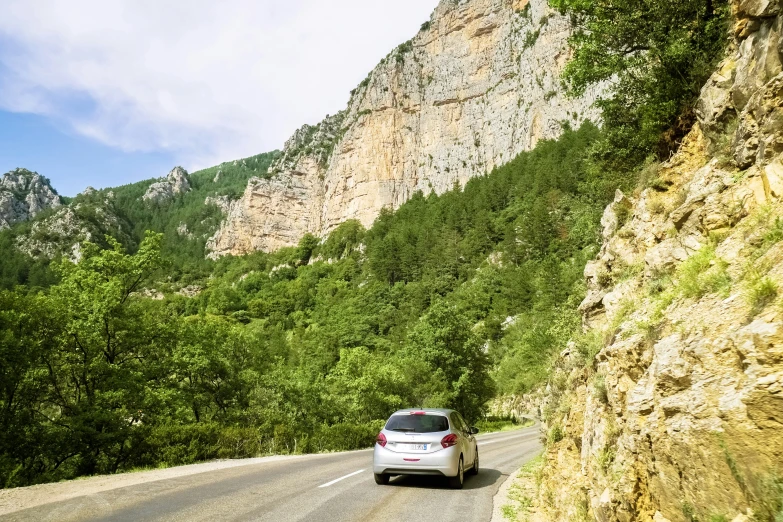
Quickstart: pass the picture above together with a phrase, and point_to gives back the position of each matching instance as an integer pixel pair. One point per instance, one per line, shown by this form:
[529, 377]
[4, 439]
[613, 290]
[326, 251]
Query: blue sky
[105, 93]
[72, 161]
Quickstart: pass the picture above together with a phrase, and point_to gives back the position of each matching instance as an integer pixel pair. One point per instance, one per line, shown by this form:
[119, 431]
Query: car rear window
[417, 423]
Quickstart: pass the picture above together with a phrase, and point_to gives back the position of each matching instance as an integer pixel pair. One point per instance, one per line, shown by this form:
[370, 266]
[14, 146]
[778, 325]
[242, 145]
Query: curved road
[337, 486]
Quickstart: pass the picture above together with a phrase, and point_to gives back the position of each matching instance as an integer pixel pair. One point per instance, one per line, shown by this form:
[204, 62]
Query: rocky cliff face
[23, 195]
[476, 86]
[89, 217]
[176, 182]
[671, 406]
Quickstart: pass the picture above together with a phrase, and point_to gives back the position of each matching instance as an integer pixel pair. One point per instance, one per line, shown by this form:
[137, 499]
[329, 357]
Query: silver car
[426, 442]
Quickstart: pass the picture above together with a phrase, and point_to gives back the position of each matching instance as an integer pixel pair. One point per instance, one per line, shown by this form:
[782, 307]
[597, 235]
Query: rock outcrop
[23, 195]
[679, 416]
[476, 86]
[176, 182]
[90, 217]
[221, 202]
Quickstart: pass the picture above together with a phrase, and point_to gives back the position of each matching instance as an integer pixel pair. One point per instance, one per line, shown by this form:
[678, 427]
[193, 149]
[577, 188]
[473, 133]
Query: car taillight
[449, 441]
[381, 439]
[418, 413]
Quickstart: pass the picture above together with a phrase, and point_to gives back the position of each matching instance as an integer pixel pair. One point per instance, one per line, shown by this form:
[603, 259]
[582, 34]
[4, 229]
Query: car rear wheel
[459, 480]
[475, 469]
[381, 479]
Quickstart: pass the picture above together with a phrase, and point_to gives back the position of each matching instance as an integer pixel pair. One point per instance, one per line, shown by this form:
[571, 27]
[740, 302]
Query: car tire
[475, 469]
[458, 481]
[381, 479]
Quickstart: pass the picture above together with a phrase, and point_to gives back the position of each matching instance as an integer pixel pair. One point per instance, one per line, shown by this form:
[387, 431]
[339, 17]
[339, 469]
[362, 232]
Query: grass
[775, 233]
[689, 512]
[589, 345]
[555, 434]
[624, 214]
[599, 389]
[703, 273]
[769, 504]
[526, 482]
[761, 291]
[605, 458]
[530, 39]
[509, 512]
[631, 271]
[733, 467]
[657, 205]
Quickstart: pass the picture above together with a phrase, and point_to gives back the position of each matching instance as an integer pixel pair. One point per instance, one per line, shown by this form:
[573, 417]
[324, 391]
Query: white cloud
[207, 81]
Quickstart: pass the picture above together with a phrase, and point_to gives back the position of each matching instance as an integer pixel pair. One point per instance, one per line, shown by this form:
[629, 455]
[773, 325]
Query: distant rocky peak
[23, 195]
[313, 142]
[176, 182]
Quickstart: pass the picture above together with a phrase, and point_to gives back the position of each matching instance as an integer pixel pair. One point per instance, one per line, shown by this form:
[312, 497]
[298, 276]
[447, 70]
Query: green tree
[656, 54]
[112, 350]
[444, 340]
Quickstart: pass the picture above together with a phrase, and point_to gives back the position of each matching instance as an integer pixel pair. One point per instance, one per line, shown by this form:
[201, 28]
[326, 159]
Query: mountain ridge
[478, 84]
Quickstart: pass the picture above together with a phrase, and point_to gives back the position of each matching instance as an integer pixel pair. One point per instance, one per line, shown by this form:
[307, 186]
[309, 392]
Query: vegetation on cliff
[657, 56]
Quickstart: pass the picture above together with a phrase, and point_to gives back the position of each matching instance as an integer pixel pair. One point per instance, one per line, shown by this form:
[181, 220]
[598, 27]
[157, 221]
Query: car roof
[439, 411]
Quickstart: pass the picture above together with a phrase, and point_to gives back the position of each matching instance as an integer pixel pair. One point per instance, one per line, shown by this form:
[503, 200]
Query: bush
[761, 291]
[599, 389]
[345, 436]
[555, 434]
[703, 273]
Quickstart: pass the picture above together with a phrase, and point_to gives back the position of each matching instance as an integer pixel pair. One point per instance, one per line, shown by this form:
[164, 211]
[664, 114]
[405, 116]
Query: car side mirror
[473, 430]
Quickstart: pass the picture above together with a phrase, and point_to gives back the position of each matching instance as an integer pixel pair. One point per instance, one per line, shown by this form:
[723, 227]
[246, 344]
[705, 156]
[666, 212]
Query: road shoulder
[515, 496]
[16, 499]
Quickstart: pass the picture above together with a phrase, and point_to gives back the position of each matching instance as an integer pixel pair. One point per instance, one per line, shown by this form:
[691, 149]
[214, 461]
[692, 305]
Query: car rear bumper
[444, 462]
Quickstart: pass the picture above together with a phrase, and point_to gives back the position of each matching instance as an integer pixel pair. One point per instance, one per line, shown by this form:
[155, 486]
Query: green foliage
[531, 38]
[555, 434]
[657, 54]
[402, 50]
[441, 303]
[494, 424]
[185, 254]
[599, 389]
[703, 273]
[761, 291]
[769, 502]
[605, 458]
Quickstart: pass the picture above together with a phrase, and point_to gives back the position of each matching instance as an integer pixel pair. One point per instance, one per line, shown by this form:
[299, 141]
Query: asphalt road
[332, 487]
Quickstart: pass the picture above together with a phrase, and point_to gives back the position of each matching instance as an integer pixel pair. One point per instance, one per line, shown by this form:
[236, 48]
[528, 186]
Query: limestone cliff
[23, 195]
[671, 405]
[477, 85]
[176, 182]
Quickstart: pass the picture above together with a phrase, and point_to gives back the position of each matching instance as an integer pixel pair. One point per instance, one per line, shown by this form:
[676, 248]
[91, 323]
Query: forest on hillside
[448, 301]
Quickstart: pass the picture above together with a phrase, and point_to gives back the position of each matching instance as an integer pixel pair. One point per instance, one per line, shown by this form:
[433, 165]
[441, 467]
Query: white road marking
[335, 481]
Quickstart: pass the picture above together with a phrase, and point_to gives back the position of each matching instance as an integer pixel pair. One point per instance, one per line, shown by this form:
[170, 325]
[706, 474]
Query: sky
[103, 93]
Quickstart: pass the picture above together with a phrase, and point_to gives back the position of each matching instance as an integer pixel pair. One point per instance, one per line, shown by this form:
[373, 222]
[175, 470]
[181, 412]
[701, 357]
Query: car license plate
[418, 447]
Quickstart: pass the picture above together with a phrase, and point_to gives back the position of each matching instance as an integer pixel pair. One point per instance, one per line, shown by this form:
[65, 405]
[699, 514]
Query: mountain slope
[186, 208]
[477, 85]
